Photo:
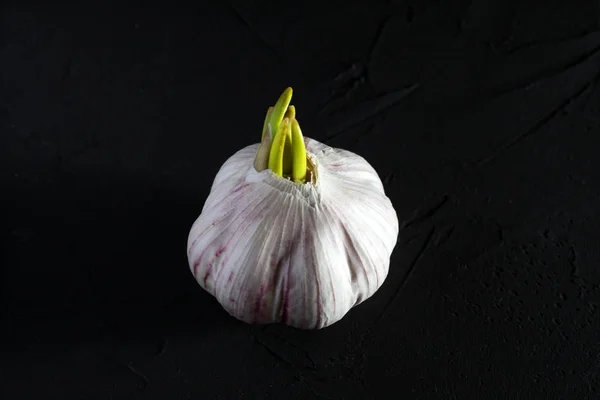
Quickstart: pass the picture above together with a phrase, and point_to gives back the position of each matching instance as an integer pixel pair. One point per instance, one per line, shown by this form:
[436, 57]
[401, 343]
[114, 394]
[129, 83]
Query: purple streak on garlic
[271, 250]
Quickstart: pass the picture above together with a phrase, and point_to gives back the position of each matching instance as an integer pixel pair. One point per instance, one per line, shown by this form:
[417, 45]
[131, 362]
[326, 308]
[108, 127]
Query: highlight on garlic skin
[293, 231]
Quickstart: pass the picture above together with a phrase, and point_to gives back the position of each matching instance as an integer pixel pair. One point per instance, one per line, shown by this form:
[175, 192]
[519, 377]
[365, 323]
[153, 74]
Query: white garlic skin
[274, 251]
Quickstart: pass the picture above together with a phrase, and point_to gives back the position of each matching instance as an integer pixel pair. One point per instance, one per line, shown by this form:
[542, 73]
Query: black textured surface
[114, 122]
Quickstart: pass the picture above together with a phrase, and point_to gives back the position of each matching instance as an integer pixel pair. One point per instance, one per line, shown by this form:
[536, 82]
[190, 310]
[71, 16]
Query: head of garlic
[293, 231]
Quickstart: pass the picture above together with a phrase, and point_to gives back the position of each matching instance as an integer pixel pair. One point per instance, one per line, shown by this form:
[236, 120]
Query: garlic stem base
[261, 164]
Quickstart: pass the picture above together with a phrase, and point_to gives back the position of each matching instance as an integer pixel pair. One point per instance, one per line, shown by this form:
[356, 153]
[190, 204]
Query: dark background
[114, 121]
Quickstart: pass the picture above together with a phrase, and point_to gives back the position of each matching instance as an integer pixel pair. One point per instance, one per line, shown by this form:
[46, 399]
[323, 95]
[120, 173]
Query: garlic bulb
[293, 231]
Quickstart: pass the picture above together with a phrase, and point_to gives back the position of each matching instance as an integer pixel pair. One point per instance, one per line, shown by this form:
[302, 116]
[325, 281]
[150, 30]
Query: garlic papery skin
[272, 250]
